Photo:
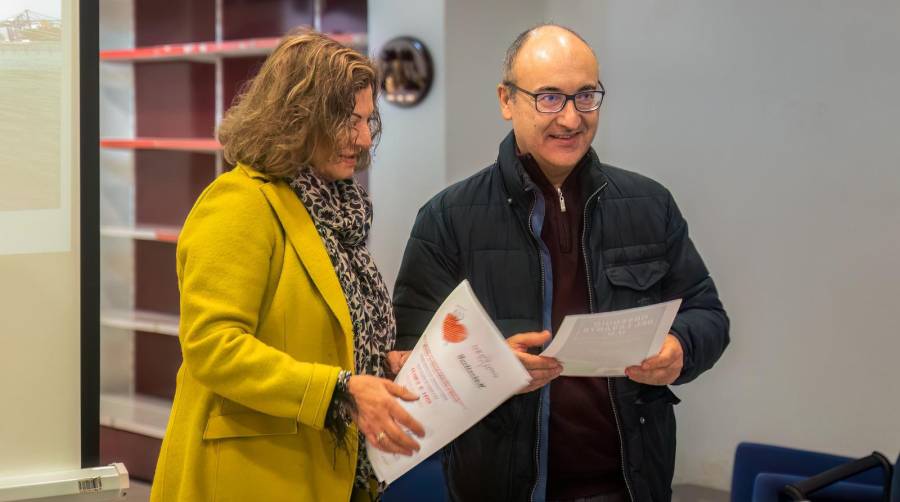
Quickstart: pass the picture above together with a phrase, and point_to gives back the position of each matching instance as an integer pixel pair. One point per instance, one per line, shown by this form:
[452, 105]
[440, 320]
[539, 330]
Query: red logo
[454, 332]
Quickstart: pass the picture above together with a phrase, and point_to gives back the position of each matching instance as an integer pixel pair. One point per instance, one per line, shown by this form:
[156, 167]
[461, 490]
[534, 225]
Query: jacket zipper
[537, 438]
[587, 270]
[562, 201]
[587, 264]
[621, 439]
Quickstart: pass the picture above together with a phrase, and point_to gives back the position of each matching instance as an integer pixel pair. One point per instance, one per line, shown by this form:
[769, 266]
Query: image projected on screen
[39, 135]
[30, 93]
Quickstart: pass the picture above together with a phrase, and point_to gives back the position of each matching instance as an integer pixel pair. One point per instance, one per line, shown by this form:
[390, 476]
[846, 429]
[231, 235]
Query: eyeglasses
[554, 102]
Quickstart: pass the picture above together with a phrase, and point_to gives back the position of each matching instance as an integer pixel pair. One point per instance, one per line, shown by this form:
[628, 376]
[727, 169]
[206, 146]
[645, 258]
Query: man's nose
[569, 117]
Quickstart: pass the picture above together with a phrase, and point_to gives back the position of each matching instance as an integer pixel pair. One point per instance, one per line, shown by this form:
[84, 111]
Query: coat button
[642, 421]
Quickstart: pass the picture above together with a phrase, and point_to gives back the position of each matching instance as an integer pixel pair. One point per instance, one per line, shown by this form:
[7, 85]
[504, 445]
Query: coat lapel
[303, 236]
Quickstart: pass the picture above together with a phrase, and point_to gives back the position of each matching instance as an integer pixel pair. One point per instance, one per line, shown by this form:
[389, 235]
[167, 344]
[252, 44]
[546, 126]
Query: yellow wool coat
[265, 329]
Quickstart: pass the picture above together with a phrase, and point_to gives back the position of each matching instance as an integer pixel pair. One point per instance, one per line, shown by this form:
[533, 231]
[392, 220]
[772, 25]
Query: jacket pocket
[641, 280]
[248, 425]
[656, 393]
[638, 276]
[656, 422]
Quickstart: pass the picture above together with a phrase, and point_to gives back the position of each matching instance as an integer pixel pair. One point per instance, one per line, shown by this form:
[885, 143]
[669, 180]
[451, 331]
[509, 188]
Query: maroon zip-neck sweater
[584, 444]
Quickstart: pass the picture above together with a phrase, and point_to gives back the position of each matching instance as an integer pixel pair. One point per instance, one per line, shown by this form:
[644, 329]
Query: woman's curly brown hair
[301, 101]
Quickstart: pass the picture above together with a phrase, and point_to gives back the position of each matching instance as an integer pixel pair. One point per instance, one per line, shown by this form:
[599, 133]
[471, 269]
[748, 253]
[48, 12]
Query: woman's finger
[383, 442]
[402, 417]
[398, 436]
[400, 391]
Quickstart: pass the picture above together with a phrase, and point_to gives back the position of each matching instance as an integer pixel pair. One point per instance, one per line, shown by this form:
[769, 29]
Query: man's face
[552, 60]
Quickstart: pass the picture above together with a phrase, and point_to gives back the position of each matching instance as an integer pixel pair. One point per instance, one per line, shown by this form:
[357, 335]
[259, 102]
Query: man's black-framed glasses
[554, 102]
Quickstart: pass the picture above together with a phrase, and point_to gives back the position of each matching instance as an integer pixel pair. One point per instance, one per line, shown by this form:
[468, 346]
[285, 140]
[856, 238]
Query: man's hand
[396, 359]
[542, 369]
[661, 369]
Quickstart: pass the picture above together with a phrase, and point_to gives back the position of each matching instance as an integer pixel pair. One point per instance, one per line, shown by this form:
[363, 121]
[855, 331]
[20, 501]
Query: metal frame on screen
[89, 167]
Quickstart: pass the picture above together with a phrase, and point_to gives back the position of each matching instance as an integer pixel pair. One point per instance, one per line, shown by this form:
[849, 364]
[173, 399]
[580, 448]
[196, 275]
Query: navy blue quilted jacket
[638, 252]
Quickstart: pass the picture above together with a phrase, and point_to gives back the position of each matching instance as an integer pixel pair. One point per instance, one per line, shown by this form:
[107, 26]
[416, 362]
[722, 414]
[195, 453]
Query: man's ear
[504, 97]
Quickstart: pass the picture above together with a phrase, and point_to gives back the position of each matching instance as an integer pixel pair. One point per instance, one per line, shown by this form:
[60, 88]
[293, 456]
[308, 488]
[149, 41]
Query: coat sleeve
[224, 256]
[428, 273]
[701, 324]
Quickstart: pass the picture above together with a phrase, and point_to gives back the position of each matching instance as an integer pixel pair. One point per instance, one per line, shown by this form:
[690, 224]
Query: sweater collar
[518, 183]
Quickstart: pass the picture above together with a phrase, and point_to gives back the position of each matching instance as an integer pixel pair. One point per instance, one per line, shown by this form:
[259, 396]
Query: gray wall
[117, 120]
[40, 280]
[480, 34]
[774, 124]
[409, 162]
[456, 130]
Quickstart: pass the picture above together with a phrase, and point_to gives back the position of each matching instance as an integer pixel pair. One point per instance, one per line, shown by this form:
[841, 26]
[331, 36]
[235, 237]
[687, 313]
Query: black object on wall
[406, 71]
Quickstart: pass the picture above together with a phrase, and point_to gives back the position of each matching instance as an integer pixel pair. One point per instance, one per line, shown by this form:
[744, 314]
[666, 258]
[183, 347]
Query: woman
[285, 321]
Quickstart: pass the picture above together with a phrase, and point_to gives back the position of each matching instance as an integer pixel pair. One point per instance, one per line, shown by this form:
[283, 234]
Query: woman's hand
[380, 418]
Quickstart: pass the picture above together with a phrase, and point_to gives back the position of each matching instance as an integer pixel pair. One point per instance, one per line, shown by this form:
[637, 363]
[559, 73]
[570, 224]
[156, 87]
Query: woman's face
[341, 164]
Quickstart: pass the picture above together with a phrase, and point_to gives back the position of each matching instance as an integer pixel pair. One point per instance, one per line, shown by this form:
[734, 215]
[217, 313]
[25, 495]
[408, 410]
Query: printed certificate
[462, 369]
[596, 345]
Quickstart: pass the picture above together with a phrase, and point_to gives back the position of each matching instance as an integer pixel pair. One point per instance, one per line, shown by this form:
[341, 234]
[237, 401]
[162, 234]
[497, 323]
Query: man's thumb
[530, 339]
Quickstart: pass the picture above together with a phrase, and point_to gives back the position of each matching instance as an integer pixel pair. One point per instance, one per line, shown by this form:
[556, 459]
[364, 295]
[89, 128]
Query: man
[549, 231]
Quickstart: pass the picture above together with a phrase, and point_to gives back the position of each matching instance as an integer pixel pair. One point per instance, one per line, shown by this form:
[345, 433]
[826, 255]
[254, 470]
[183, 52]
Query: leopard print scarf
[342, 213]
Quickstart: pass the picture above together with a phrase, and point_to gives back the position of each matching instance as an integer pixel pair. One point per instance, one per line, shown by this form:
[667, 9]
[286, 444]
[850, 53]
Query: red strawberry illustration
[454, 332]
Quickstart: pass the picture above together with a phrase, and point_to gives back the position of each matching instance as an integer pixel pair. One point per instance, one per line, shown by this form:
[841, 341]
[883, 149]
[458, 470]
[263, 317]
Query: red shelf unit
[144, 232]
[191, 58]
[209, 51]
[210, 145]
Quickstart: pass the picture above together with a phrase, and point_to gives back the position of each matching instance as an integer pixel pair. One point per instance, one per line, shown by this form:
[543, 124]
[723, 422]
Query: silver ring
[379, 436]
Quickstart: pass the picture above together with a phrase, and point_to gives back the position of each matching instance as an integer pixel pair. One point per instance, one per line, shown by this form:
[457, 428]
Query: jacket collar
[518, 183]
[253, 173]
[304, 237]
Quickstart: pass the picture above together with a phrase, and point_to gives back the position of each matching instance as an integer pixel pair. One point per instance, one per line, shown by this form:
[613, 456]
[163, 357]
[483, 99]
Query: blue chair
[765, 473]
[423, 483]
[895, 484]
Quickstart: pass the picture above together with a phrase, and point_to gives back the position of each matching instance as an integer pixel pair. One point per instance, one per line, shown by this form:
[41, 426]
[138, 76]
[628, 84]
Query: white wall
[409, 162]
[117, 120]
[479, 34]
[40, 288]
[775, 125]
[455, 131]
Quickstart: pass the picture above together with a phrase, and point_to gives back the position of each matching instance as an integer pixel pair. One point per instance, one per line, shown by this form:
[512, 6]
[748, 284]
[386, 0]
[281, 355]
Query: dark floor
[695, 493]
[140, 492]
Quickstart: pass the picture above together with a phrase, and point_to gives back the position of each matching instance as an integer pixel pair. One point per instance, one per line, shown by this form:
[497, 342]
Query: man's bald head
[539, 31]
[553, 63]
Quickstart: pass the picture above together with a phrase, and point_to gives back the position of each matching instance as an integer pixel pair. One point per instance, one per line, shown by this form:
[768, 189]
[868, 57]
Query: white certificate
[595, 345]
[462, 369]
